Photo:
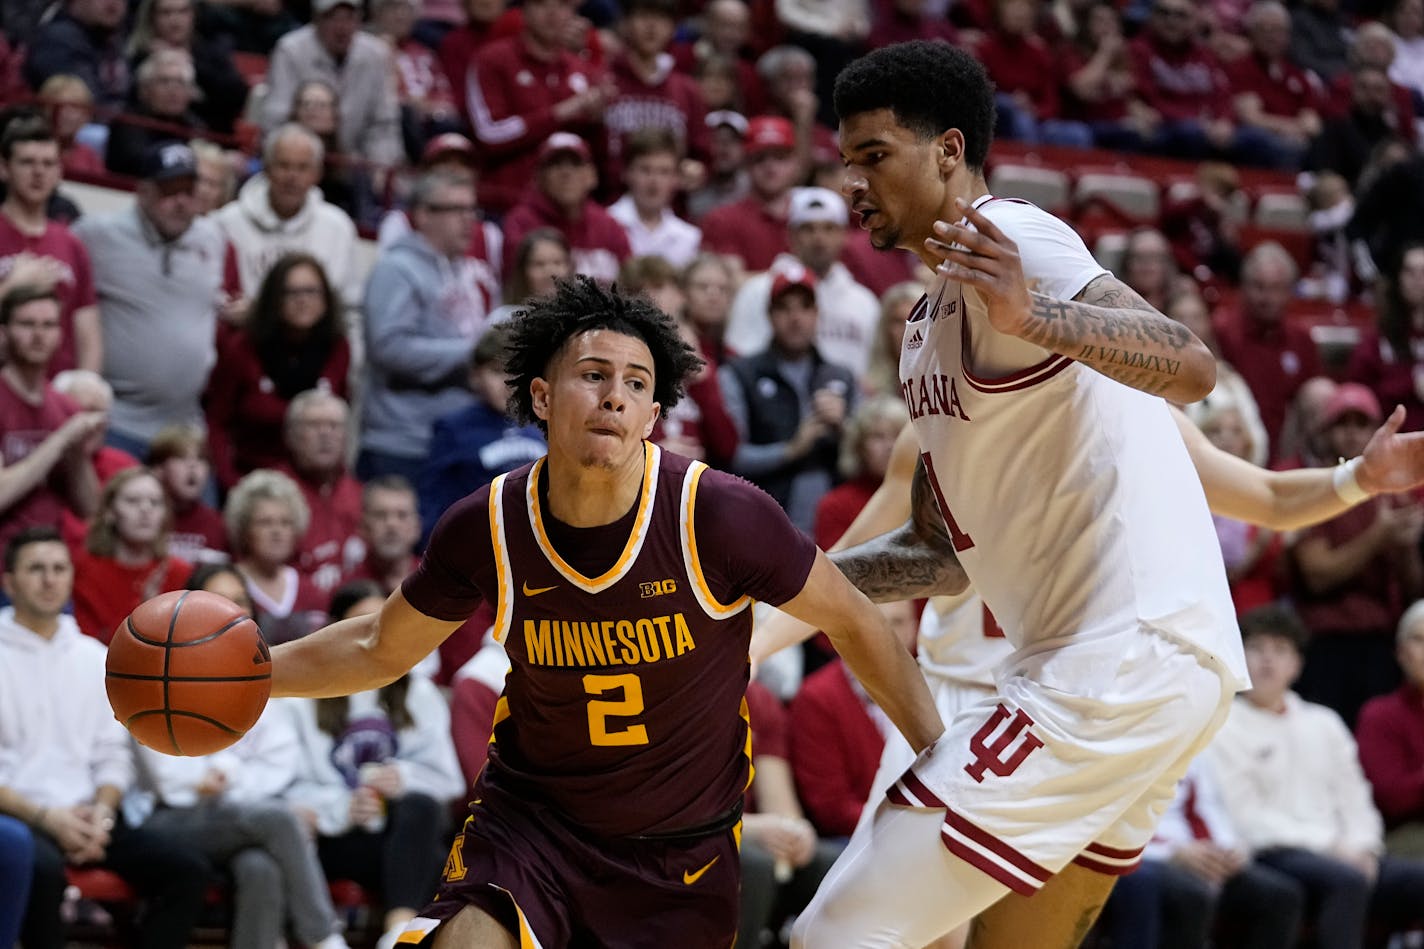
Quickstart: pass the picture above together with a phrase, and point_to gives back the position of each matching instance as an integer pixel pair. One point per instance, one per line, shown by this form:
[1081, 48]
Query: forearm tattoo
[1133, 343]
[917, 560]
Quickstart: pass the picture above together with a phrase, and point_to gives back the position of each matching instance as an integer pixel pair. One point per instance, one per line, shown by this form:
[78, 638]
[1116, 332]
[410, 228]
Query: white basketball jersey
[960, 642]
[1071, 499]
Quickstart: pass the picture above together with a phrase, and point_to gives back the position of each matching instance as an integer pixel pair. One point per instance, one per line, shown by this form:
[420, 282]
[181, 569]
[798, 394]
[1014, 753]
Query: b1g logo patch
[657, 588]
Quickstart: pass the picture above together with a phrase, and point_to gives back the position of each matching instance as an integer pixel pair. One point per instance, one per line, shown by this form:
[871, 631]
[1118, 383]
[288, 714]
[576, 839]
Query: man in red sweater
[524, 88]
[1390, 734]
[1271, 93]
[754, 228]
[565, 180]
[316, 430]
[1025, 74]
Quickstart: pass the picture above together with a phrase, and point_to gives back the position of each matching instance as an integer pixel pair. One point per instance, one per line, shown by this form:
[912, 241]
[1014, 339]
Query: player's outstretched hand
[978, 254]
[1392, 461]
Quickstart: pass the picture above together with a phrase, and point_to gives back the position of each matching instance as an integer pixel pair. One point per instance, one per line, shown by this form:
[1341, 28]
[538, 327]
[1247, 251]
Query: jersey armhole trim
[504, 573]
[1022, 379]
[705, 598]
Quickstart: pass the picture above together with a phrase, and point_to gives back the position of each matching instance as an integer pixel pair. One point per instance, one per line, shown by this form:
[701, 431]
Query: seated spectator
[1348, 140]
[227, 803]
[817, 222]
[717, 80]
[170, 25]
[1197, 873]
[32, 159]
[125, 558]
[1096, 78]
[1149, 267]
[422, 319]
[650, 163]
[798, 76]
[1390, 359]
[562, 199]
[1391, 737]
[837, 734]
[69, 106]
[1271, 93]
[266, 516]
[376, 775]
[1319, 37]
[484, 21]
[1406, 19]
[1304, 442]
[709, 283]
[1250, 552]
[788, 403]
[882, 374]
[783, 861]
[1291, 781]
[1273, 354]
[216, 184]
[46, 442]
[161, 111]
[540, 257]
[17, 858]
[427, 103]
[869, 435]
[725, 37]
[90, 392]
[1374, 46]
[65, 762]
[513, 118]
[316, 436]
[470, 446]
[280, 211]
[293, 341]
[85, 38]
[727, 180]
[157, 271]
[345, 179]
[1355, 574]
[653, 95]
[178, 458]
[1181, 82]
[1189, 309]
[333, 48]
[754, 227]
[1025, 75]
[390, 532]
[1204, 226]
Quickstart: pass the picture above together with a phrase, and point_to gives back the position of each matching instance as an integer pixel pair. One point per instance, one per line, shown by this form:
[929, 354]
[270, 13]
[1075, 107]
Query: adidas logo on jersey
[916, 341]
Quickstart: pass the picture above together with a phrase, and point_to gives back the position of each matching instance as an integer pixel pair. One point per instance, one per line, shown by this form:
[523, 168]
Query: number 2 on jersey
[961, 540]
[599, 711]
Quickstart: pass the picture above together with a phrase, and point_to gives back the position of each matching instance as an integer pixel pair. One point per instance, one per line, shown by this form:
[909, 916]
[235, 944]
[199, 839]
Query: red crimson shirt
[746, 229]
[1022, 64]
[328, 547]
[1180, 83]
[23, 427]
[598, 243]
[1273, 359]
[1390, 733]
[108, 591]
[1285, 90]
[76, 284]
[672, 101]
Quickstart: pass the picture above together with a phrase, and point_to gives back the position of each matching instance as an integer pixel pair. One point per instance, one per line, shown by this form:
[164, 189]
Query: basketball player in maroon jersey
[609, 811]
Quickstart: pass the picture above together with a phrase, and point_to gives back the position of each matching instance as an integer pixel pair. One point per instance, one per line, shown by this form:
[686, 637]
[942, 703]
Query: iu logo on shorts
[1001, 753]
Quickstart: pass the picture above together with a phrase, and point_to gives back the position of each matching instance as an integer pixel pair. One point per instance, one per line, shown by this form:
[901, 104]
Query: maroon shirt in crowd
[1395, 378]
[673, 101]
[1390, 733]
[1283, 88]
[1022, 64]
[598, 243]
[22, 428]
[1370, 602]
[835, 750]
[746, 229]
[1273, 359]
[1180, 83]
[618, 611]
[325, 548]
[198, 535]
[75, 287]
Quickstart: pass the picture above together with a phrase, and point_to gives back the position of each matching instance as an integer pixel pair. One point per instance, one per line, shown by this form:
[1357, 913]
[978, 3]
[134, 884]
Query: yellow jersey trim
[705, 598]
[504, 573]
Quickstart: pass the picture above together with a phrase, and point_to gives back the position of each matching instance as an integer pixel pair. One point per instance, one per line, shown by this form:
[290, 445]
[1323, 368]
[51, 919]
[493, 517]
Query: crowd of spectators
[226, 385]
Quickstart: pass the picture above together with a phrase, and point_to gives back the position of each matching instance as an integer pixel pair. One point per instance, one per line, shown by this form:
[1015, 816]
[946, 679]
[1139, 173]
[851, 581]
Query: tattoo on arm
[1132, 344]
[917, 560]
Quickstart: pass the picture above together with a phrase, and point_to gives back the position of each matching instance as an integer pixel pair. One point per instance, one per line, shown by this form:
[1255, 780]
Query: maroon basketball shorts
[555, 886]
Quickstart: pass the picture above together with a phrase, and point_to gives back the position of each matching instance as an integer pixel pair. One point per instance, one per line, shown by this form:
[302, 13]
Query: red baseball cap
[768, 132]
[790, 278]
[1350, 397]
[447, 144]
[564, 143]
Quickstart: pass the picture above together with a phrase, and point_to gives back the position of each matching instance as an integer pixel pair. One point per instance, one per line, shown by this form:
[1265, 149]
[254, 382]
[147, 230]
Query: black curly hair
[540, 331]
[930, 87]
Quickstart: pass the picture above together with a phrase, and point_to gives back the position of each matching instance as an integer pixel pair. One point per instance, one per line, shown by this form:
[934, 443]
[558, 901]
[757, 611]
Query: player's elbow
[1196, 377]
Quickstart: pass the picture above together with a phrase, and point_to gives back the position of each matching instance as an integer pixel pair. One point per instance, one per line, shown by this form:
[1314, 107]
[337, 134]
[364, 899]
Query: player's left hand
[978, 254]
[1392, 461]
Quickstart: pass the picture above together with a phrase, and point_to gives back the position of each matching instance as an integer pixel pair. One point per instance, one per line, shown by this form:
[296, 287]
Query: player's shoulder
[720, 489]
[1010, 213]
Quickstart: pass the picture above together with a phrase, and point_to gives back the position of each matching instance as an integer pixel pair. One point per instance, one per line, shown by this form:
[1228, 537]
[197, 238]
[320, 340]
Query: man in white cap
[358, 65]
[816, 225]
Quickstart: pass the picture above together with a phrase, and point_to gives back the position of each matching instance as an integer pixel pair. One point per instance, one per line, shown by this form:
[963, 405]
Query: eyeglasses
[451, 208]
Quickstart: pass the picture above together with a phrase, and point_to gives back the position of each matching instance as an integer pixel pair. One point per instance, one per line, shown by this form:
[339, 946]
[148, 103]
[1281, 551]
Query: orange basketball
[188, 673]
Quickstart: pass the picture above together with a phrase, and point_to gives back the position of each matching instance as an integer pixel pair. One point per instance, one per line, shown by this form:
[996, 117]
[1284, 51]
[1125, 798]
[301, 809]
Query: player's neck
[30, 221]
[43, 625]
[591, 497]
[969, 186]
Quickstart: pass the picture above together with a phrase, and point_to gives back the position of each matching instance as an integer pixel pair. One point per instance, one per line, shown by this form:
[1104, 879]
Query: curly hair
[929, 86]
[539, 333]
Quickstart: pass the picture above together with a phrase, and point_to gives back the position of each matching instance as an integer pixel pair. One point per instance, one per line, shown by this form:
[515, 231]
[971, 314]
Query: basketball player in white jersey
[1066, 498]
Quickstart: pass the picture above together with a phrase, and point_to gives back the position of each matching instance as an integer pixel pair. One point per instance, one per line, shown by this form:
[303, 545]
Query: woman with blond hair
[125, 557]
[266, 517]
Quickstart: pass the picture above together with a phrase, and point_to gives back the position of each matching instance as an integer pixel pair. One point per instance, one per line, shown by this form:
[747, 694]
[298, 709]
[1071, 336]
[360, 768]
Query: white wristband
[1347, 486]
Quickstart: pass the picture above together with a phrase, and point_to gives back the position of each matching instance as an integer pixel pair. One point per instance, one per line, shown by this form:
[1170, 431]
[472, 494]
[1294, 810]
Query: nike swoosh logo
[535, 591]
[691, 878]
